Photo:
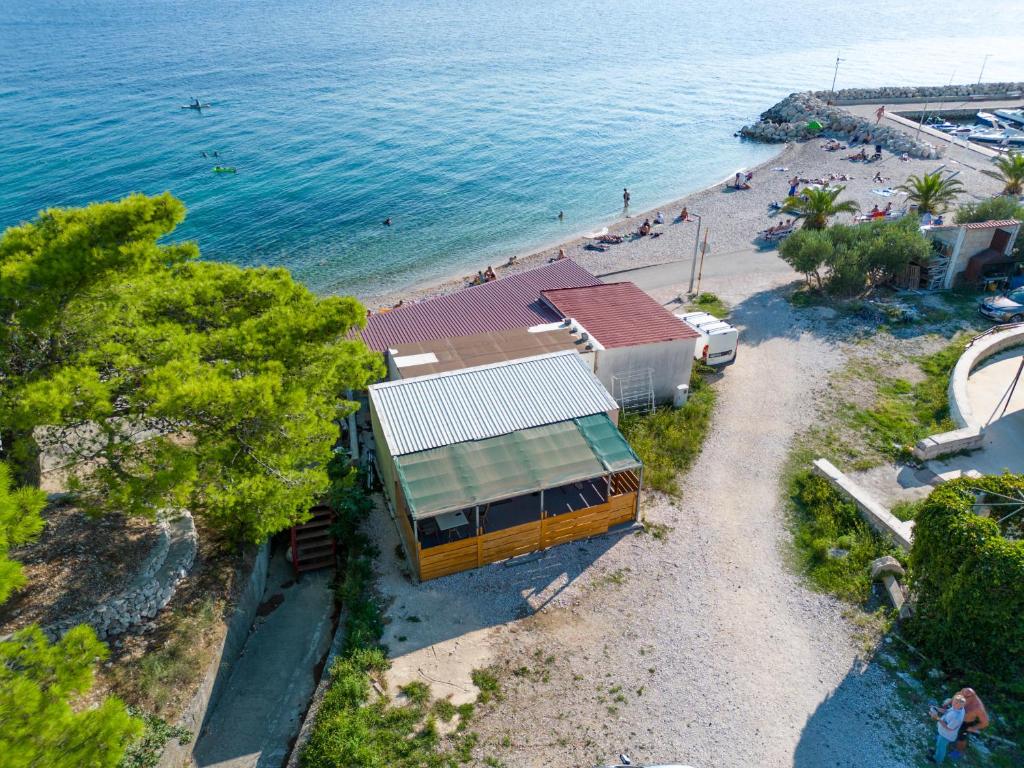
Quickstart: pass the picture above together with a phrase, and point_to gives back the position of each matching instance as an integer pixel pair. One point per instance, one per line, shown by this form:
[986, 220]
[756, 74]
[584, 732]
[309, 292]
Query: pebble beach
[731, 218]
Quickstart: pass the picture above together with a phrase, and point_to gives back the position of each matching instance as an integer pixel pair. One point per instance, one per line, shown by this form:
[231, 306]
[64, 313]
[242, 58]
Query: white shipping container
[718, 340]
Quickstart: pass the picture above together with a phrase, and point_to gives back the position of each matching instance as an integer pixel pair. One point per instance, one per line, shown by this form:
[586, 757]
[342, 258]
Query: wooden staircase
[313, 547]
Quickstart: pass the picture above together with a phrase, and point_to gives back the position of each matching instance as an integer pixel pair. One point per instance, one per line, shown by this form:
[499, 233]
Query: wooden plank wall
[476, 551]
[448, 558]
[411, 545]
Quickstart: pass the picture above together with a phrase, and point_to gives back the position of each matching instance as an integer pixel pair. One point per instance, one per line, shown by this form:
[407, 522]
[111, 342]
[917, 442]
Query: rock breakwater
[792, 119]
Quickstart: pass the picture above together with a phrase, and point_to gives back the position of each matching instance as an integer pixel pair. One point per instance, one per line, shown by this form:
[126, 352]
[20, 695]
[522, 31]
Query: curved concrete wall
[971, 431]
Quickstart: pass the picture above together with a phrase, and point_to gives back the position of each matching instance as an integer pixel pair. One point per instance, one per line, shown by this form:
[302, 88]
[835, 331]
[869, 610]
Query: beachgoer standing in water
[625, 198]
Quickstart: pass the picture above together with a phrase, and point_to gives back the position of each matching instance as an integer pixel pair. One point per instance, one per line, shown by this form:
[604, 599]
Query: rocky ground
[77, 562]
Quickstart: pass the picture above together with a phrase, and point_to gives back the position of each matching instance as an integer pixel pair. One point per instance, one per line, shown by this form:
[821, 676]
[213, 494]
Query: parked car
[1006, 308]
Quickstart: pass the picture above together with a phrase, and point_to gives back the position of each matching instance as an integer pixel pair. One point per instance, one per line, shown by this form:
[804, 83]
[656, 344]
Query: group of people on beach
[484, 276]
[960, 716]
[879, 213]
[742, 180]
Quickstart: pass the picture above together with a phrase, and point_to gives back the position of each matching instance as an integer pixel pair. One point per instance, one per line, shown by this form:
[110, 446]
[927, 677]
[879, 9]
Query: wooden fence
[548, 531]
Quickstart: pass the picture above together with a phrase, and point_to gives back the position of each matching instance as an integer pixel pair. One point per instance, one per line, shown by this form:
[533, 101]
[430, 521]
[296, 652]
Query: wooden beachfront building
[495, 461]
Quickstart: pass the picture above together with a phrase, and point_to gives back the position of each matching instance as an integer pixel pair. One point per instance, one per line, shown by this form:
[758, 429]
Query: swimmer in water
[387, 222]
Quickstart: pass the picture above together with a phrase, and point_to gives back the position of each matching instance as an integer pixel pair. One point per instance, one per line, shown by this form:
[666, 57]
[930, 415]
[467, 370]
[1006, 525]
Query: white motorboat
[988, 120]
[1006, 137]
[1012, 116]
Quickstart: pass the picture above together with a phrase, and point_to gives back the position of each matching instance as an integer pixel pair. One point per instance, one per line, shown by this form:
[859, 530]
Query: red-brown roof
[506, 303]
[993, 224]
[619, 314]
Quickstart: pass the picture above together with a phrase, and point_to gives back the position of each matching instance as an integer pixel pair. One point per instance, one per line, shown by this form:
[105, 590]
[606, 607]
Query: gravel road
[704, 647]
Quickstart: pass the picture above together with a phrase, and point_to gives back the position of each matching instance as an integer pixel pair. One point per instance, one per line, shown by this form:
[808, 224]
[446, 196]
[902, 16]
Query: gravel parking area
[699, 645]
[704, 647]
[696, 642]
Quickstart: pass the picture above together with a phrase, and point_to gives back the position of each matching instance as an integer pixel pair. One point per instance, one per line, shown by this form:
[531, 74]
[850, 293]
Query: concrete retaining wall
[970, 432]
[219, 669]
[878, 517]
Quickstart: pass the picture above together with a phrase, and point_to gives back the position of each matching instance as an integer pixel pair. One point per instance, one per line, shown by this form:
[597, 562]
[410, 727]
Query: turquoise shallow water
[471, 123]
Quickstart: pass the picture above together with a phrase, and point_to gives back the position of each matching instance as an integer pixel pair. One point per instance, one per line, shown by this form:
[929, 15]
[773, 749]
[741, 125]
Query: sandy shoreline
[731, 218]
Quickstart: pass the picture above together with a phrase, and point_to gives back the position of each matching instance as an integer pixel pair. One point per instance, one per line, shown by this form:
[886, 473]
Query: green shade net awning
[466, 474]
[607, 442]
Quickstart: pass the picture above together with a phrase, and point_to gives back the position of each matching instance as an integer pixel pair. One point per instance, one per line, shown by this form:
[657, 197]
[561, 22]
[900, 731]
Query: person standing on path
[879, 114]
[947, 724]
[975, 721]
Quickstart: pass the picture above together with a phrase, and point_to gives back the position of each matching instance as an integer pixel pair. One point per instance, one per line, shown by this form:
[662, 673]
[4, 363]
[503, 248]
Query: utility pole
[703, 250]
[983, 63]
[834, 76]
[693, 264]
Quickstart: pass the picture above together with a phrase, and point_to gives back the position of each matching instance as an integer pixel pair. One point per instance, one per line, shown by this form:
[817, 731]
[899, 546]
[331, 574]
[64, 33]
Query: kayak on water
[194, 106]
[223, 169]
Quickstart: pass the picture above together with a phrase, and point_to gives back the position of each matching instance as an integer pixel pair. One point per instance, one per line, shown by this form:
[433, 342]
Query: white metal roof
[426, 412]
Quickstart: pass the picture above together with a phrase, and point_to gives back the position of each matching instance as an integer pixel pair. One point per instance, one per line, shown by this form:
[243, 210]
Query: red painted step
[313, 547]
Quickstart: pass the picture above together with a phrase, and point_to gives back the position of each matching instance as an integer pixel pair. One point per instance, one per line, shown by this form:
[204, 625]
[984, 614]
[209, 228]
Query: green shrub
[710, 303]
[146, 752]
[670, 439]
[969, 582]
[824, 520]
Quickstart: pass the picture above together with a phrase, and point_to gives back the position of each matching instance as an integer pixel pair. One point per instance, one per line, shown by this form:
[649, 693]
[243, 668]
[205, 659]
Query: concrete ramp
[261, 709]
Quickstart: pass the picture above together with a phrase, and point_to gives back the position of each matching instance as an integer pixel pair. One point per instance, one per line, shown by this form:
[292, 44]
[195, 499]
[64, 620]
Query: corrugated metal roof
[439, 355]
[619, 314]
[508, 302]
[490, 400]
[996, 224]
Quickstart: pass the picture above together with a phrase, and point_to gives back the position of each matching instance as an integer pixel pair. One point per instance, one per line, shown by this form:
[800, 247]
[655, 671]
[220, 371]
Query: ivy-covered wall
[969, 580]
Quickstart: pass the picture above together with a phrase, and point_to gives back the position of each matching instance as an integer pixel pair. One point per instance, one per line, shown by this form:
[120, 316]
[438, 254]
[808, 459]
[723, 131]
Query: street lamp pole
[834, 76]
[696, 242]
[983, 63]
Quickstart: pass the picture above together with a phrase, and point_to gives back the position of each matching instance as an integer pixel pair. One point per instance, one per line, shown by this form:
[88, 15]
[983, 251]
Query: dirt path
[704, 647]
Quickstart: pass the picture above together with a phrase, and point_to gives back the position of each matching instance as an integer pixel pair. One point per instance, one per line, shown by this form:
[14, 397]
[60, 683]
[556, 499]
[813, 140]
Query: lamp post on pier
[834, 76]
[983, 63]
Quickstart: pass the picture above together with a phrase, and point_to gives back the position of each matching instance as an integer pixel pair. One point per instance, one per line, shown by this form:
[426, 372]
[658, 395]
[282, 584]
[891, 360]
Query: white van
[718, 339]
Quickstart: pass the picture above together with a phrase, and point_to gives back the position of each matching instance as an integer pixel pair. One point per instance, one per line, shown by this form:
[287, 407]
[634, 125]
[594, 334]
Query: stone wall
[897, 94]
[150, 589]
[787, 121]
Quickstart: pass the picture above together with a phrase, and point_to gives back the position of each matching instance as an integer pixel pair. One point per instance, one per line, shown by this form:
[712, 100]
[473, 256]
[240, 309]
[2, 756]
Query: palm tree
[1011, 173]
[931, 193]
[817, 206]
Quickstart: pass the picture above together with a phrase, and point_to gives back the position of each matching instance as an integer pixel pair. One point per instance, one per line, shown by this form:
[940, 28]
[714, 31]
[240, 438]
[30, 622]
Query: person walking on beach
[947, 724]
[879, 113]
[625, 198]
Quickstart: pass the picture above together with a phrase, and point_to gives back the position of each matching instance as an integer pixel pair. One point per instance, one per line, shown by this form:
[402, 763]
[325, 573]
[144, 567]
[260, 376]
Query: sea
[470, 123]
